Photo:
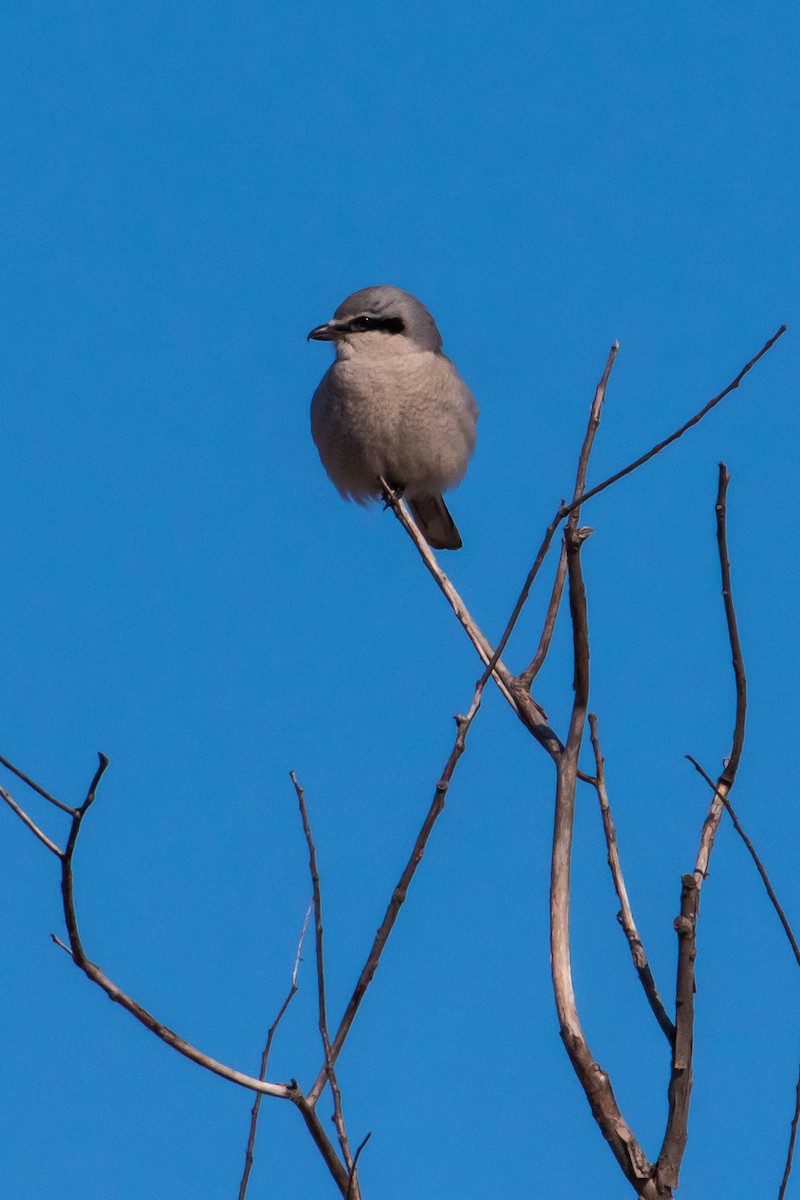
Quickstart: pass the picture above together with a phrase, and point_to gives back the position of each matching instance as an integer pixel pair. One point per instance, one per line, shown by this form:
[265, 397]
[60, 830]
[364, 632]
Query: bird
[393, 406]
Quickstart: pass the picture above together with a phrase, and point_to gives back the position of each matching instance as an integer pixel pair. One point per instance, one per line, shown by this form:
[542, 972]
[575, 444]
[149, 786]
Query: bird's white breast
[407, 416]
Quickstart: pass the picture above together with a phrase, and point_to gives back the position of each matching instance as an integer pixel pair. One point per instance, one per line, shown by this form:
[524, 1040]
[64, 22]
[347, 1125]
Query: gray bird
[393, 405]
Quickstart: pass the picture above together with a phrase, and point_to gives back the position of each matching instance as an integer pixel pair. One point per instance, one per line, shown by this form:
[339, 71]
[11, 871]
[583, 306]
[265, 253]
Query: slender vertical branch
[330, 1071]
[593, 1079]
[680, 1085]
[527, 676]
[626, 913]
[792, 1139]
[583, 463]
[290, 995]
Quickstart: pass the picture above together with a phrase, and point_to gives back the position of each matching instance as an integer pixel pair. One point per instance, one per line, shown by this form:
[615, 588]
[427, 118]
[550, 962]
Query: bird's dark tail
[435, 523]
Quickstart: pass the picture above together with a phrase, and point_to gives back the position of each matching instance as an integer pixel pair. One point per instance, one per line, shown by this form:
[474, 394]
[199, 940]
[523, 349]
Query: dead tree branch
[282, 1091]
[529, 712]
[625, 916]
[593, 1079]
[290, 995]
[527, 676]
[330, 1070]
[784, 920]
[792, 1139]
[680, 1085]
[35, 787]
[26, 820]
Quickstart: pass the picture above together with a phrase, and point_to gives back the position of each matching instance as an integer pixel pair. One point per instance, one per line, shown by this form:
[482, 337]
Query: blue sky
[187, 190]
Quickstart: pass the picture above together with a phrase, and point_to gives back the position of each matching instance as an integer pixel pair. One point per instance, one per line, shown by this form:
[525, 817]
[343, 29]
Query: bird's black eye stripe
[387, 324]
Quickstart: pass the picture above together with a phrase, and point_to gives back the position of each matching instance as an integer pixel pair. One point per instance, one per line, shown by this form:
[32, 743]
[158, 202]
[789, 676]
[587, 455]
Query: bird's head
[380, 320]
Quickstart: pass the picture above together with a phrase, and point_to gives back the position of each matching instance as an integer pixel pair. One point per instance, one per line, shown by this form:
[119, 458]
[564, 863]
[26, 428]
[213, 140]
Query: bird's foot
[391, 492]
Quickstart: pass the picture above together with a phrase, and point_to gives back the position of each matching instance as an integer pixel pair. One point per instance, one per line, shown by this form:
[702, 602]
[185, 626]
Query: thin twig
[626, 913]
[338, 1116]
[527, 676]
[673, 437]
[595, 414]
[26, 820]
[725, 781]
[754, 855]
[354, 1167]
[282, 1091]
[36, 787]
[290, 995]
[583, 462]
[401, 890]
[116, 994]
[792, 1139]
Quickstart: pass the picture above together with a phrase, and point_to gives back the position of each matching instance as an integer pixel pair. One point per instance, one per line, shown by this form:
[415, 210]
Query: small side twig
[787, 929]
[626, 913]
[673, 437]
[36, 787]
[26, 820]
[526, 677]
[792, 1139]
[583, 463]
[290, 995]
[354, 1167]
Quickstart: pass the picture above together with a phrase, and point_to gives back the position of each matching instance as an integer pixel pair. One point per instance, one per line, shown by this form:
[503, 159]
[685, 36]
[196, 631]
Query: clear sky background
[186, 191]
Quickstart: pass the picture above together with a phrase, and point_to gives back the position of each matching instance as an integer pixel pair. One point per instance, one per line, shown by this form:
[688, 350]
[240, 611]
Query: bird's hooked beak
[325, 333]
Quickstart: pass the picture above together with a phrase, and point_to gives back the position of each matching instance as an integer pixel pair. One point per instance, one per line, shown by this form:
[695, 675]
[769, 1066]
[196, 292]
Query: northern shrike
[393, 405]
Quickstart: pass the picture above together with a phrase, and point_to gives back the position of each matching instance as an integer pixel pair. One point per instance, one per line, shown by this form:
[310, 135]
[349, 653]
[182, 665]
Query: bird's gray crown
[388, 310]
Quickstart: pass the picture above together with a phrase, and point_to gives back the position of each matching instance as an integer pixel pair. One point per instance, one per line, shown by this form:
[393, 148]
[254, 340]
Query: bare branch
[595, 414]
[401, 890]
[673, 437]
[26, 820]
[594, 1081]
[356, 1157]
[115, 993]
[753, 854]
[36, 787]
[680, 1085]
[725, 781]
[583, 462]
[282, 1091]
[527, 677]
[533, 717]
[792, 1139]
[626, 914]
[290, 995]
[338, 1115]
